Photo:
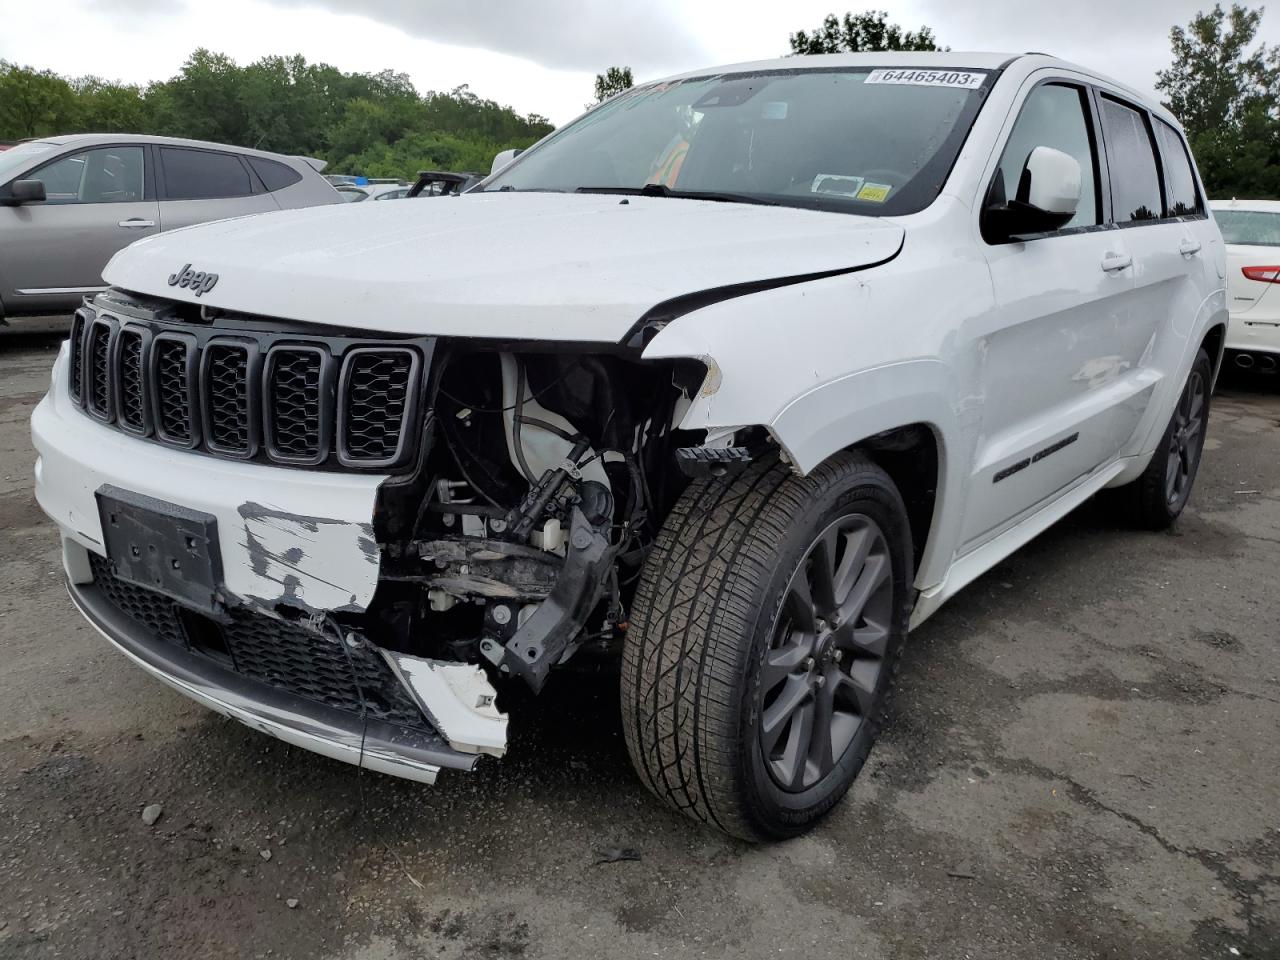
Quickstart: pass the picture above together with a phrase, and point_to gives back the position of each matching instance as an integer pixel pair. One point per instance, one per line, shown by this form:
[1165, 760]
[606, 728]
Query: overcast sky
[541, 55]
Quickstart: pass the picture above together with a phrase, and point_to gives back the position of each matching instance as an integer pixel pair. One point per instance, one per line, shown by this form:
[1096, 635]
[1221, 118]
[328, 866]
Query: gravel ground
[1082, 761]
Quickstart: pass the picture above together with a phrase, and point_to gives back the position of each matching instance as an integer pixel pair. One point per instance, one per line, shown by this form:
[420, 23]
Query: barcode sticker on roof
[960, 79]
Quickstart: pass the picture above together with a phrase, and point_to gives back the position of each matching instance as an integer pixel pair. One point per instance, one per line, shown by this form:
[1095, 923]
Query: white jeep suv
[731, 381]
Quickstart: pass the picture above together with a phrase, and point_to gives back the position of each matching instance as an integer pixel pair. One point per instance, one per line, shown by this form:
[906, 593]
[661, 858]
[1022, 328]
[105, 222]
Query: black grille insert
[375, 401]
[132, 403]
[78, 324]
[98, 352]
[297, 404]
[229, 421]
[154, 611]
[273, 652]
[171, 361]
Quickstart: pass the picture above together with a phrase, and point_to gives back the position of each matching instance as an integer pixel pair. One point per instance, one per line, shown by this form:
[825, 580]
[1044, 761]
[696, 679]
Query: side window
[275, 175]
[1184, 199]
[203, 174]
[1135, 176]
[101, 175]
[1054, 115]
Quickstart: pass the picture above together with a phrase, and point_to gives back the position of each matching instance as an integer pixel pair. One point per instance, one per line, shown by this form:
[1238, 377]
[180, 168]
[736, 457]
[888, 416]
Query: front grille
[99, 357]
[273, 652]
[239, 392]
[296, 425]
[132, 401]
[172, 360]
[78, 324]
[229, 424]
[374, 399]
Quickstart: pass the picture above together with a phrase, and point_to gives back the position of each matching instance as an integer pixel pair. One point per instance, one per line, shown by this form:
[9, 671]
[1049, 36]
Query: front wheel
[1159, 495]
[766, 630]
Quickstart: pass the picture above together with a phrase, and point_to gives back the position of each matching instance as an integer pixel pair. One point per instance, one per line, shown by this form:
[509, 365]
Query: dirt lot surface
[1083, 761]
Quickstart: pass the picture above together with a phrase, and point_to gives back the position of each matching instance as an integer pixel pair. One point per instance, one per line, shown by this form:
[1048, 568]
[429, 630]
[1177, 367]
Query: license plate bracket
[162, 546]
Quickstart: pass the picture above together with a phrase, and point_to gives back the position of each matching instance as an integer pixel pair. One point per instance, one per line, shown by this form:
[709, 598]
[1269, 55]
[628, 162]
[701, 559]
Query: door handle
[1114, 262]
[1189, 247]
[137, 222]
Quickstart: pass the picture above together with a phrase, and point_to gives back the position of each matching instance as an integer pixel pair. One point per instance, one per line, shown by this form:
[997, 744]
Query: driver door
[97, 202]
[1057, 348]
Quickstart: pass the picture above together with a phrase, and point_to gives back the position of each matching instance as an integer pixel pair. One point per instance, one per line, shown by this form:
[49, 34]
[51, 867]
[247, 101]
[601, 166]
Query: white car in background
[1251, 231]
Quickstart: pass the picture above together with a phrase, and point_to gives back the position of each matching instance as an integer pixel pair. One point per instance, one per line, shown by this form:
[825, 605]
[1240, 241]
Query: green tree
[34, 103]
[612, 82]
[1223, 89]
[861, 33]
[1215, 77]
[103, 106]
[364, 123]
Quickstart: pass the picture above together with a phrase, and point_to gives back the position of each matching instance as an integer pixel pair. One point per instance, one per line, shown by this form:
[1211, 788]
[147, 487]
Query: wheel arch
[902, 416]
[1214, 344]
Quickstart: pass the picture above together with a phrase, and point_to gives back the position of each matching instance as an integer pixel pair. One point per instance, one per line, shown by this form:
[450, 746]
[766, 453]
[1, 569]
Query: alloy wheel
[1185, 440]
[822, 670]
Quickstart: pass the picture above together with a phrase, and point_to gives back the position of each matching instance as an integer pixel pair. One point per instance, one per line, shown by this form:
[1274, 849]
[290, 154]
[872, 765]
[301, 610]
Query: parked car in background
[442, 183]
[354, 193]
[1251, 230]
[68, 204]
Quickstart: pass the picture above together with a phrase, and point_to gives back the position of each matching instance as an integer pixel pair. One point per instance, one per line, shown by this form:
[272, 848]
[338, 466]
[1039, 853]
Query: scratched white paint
[312, 562]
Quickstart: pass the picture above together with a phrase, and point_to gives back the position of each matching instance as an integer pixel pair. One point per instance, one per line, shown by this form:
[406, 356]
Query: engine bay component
[533, 508]
[542, 640]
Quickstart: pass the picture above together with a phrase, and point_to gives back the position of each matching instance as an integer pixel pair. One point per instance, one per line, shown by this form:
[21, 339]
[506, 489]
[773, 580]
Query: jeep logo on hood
[197, 281]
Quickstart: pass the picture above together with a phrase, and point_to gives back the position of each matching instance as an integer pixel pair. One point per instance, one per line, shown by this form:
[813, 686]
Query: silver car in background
[67, 204]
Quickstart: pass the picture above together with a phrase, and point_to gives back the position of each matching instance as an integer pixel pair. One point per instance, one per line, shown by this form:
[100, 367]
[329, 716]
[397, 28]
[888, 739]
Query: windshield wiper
[661, 190]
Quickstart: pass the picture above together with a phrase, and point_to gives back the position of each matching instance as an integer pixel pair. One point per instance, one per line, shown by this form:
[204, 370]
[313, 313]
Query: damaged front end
[516, 542]
[357, 544]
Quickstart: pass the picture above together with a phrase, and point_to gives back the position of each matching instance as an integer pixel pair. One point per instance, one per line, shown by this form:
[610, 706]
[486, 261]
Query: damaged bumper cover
[321, 555]
[322, 559]
[376, 745]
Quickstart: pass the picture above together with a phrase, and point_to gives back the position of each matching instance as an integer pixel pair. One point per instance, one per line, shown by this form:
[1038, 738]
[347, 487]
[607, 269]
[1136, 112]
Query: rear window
[203, 174]
[1250, 227]
[275, 175]
[1135, 175]
[1184, 199]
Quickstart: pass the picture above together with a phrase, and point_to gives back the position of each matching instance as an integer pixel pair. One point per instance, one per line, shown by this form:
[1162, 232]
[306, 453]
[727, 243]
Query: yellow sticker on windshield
[875, 192]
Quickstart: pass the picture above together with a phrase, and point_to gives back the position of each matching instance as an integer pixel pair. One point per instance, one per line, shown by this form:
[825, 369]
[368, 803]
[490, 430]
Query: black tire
[1157, 498]
[717, 597]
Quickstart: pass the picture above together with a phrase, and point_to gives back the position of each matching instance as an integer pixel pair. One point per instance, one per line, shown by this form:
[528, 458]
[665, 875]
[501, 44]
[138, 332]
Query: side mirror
[502, 159]
[1047, 198]
[26, 191]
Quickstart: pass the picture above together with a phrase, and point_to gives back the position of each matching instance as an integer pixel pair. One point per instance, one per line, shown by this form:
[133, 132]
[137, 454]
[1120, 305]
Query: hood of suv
[524, 266]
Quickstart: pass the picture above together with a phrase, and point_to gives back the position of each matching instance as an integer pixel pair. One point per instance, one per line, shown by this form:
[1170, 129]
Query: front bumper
[374, 745]
[321, 557]
[300, 537]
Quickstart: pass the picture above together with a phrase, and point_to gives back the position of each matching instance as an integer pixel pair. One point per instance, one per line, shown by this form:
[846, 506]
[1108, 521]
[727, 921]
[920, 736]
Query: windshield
[1251, 227]
[17, 159]
[868, 141]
